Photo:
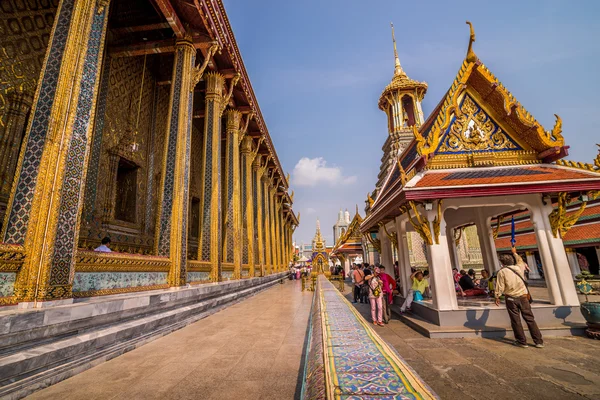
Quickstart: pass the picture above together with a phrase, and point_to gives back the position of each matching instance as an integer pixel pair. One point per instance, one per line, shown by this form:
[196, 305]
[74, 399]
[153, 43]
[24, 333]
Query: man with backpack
[359, 279]
[511, 284]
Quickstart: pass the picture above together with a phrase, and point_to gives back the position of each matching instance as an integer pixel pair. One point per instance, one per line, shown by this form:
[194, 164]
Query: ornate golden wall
[133, 129]
[24, 33]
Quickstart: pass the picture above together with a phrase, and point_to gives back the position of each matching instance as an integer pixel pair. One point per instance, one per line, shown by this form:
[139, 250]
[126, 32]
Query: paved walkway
[254, 350]
[567, 368]
[251, 350]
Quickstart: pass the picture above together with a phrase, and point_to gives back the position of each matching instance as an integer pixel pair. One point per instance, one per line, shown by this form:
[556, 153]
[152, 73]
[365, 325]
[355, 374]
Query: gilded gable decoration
[474, 130]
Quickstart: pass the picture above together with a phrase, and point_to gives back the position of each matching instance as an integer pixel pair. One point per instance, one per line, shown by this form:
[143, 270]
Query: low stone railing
[346, 357]
[98, 273]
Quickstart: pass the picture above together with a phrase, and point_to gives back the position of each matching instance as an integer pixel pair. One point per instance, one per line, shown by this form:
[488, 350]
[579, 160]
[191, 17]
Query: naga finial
[471, 57]
[419, 139]
[370, 199]
[597, 159]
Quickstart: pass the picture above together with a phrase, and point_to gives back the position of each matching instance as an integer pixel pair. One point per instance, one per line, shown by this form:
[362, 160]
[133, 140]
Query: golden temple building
[133, 120]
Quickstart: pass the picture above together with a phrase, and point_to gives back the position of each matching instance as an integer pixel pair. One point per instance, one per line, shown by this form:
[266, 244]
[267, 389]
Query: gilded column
[259, 206]
[171, 232]
[45, 205]
[272, 212]
[266, 224]
[248, 196]
[281, 244]
[209, 249]
[232, 224]
[284, 250]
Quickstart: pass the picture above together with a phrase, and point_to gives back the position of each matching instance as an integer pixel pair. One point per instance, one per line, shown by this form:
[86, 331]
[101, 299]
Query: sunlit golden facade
[136, 121]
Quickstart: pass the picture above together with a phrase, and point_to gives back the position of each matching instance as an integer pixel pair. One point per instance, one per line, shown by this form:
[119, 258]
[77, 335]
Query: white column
[573, 262]
[486, 241]
[454, 251]
[403, 258]
[532, 264]
[560, 261]
[537, 219]
[386, 249]
[598, 253]
[440, 269]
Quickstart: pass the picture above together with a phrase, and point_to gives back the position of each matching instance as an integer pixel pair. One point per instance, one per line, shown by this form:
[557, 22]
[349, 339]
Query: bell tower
[401, 101]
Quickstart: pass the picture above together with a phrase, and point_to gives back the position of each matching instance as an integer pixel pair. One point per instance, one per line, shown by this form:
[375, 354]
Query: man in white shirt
[104, 246]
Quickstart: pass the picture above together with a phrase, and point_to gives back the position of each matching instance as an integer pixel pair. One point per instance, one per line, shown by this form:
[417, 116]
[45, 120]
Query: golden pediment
[473, 130]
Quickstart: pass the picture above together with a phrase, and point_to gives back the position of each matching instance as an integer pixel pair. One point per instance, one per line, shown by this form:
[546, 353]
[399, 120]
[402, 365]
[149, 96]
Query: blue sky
[318, 68]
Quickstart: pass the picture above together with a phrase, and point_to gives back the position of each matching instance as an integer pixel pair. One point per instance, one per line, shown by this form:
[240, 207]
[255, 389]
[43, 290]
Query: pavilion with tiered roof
[480, 155]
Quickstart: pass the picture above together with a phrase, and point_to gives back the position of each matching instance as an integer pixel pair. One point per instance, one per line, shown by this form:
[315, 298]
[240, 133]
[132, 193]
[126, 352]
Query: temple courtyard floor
[254, 350]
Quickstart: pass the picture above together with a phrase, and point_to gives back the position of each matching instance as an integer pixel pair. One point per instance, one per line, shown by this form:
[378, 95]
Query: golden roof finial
[397, 67]
[471, 57]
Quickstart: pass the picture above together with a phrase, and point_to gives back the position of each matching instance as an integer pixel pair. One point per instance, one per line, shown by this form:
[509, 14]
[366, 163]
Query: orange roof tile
[531, 174]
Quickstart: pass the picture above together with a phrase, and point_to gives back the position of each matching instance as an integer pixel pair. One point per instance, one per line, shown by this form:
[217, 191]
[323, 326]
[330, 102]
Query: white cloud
[310, 211]
[314, 171]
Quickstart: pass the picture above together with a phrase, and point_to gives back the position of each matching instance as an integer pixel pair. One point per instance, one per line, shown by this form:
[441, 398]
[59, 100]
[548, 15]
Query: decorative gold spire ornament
[397, 67]
[471, 57]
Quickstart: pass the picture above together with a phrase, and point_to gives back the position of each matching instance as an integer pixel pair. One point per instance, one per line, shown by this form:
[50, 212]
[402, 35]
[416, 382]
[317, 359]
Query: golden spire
[471, 57]
[397, 67]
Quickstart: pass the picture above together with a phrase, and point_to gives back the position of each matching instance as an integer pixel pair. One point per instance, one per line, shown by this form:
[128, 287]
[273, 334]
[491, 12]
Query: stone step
[50, 361]
[21, 328]
[433, 331]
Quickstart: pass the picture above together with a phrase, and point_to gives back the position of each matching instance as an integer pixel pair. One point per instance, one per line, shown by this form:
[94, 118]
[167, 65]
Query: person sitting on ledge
[468, 286]
[420, 285]
[484, 282]
[104, 246]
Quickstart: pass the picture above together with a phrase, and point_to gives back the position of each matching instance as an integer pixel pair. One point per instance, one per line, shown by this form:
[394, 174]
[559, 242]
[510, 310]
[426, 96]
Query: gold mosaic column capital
[234, 118]
[215, 82]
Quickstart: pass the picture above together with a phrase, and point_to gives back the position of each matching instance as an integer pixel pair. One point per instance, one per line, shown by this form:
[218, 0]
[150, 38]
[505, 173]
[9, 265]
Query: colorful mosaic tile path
[359, 364]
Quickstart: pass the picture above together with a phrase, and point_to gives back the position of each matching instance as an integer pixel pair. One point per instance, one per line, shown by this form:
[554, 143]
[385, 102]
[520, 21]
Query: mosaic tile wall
[19, 212]
[121, 118]
[208, 184]
[198, 276]
[186, 184]
[96, 146]
[196, 162]
[149, 217]
[244, 198]
[226, 275]
[255, 205]
[25, 29]
[228, 223]
[168, 183]
[264, 205]
[72, 189]
[86, 281]
[7, 283]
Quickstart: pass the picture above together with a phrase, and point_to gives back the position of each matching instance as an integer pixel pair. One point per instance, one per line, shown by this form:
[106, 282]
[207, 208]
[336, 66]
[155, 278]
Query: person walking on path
[359, 280]
[389, 285]
[375, 296]
[511, 283]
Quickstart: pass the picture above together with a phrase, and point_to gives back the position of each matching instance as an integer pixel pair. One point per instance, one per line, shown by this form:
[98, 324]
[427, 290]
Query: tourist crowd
[372, 285]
